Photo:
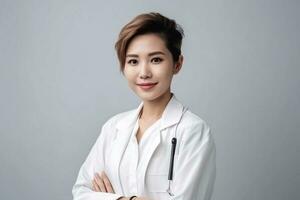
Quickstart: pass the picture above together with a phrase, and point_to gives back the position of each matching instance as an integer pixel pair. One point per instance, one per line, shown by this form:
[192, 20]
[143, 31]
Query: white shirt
[131, 160]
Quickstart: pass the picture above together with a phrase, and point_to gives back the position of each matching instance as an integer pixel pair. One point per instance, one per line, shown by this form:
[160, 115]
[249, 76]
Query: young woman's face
[149, 67]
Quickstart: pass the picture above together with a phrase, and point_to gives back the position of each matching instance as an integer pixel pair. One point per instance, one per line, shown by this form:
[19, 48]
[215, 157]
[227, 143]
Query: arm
[82, 189]
[195, 171]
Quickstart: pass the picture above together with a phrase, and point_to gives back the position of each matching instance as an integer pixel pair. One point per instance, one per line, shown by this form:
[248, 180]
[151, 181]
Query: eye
[132, 62]
[156, 60]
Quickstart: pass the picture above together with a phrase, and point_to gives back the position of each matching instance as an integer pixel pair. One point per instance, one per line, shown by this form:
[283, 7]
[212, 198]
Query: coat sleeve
[195, 171]
[82, 189]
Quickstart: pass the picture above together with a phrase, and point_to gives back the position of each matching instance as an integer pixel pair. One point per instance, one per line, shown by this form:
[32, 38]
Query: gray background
[60, 82]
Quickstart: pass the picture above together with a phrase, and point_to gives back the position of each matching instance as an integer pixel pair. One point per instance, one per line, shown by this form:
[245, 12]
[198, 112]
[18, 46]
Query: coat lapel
[124, 129]
[145, 161]
[170, 117]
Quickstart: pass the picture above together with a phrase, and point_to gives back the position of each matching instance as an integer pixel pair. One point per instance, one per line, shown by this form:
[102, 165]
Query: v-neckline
[145, 133]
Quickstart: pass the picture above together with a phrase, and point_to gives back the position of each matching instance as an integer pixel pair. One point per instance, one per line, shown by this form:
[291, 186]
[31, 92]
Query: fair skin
[148, 60]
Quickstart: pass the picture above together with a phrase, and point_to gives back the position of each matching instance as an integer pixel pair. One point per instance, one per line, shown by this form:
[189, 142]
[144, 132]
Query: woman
[133, 158]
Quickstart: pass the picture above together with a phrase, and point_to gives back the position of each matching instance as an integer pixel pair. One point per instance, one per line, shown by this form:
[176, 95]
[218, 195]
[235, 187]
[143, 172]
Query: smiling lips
[146, 86]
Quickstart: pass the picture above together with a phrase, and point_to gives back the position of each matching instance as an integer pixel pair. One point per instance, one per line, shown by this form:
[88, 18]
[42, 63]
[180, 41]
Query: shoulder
[193, 127]
[109, 128]
[191, 120]
[115, 119]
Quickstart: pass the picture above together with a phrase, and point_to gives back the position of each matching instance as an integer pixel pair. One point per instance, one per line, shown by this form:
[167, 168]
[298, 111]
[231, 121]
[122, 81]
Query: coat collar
[170, 116]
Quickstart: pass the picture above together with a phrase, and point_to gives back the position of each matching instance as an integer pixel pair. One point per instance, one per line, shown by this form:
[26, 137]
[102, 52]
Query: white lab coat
[194, 163]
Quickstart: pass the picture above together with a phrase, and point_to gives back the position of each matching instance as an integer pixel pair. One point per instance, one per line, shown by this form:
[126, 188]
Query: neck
[153, 110]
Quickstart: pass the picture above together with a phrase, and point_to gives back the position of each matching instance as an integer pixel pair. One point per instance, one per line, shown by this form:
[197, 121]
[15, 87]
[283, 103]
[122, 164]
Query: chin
[149, 96]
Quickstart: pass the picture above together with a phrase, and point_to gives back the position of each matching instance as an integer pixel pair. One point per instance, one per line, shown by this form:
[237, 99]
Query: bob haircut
[167, 29]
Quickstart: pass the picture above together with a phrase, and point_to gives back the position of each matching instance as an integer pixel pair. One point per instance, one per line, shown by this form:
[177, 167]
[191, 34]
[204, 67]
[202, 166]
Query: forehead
[143, 44]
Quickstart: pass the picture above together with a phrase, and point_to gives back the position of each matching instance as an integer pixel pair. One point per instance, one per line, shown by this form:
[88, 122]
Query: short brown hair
[171, 32]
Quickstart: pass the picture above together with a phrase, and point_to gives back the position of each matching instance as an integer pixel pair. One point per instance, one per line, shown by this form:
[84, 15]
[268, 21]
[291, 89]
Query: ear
[178, 65]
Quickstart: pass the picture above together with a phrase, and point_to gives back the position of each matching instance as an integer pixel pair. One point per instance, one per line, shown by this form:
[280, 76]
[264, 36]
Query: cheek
[128, 75]
[166, 76]
[131, 80]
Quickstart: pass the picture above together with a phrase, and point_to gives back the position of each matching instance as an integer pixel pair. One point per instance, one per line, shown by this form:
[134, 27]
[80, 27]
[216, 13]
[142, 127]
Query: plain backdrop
[60, 82]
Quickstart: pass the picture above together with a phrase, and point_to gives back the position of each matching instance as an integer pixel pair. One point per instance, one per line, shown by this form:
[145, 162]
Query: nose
[145, 72]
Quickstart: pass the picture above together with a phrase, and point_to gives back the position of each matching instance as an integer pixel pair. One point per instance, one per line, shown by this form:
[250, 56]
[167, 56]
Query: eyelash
[160, 60]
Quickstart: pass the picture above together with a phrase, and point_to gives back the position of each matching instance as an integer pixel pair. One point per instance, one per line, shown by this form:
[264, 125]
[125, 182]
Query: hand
[135, 198]
[141, 198]
[101, 183]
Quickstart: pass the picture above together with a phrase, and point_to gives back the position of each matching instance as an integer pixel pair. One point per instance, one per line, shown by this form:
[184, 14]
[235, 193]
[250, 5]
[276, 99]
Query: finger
[95, 186]
[107, 183]
[100, 183]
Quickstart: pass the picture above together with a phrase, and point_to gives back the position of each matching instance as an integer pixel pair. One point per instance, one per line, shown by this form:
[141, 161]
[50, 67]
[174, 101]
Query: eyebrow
[150, 54]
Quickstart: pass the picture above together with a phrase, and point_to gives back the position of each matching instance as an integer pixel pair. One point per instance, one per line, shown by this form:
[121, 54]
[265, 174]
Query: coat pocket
[157, 186]
[157, 183]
